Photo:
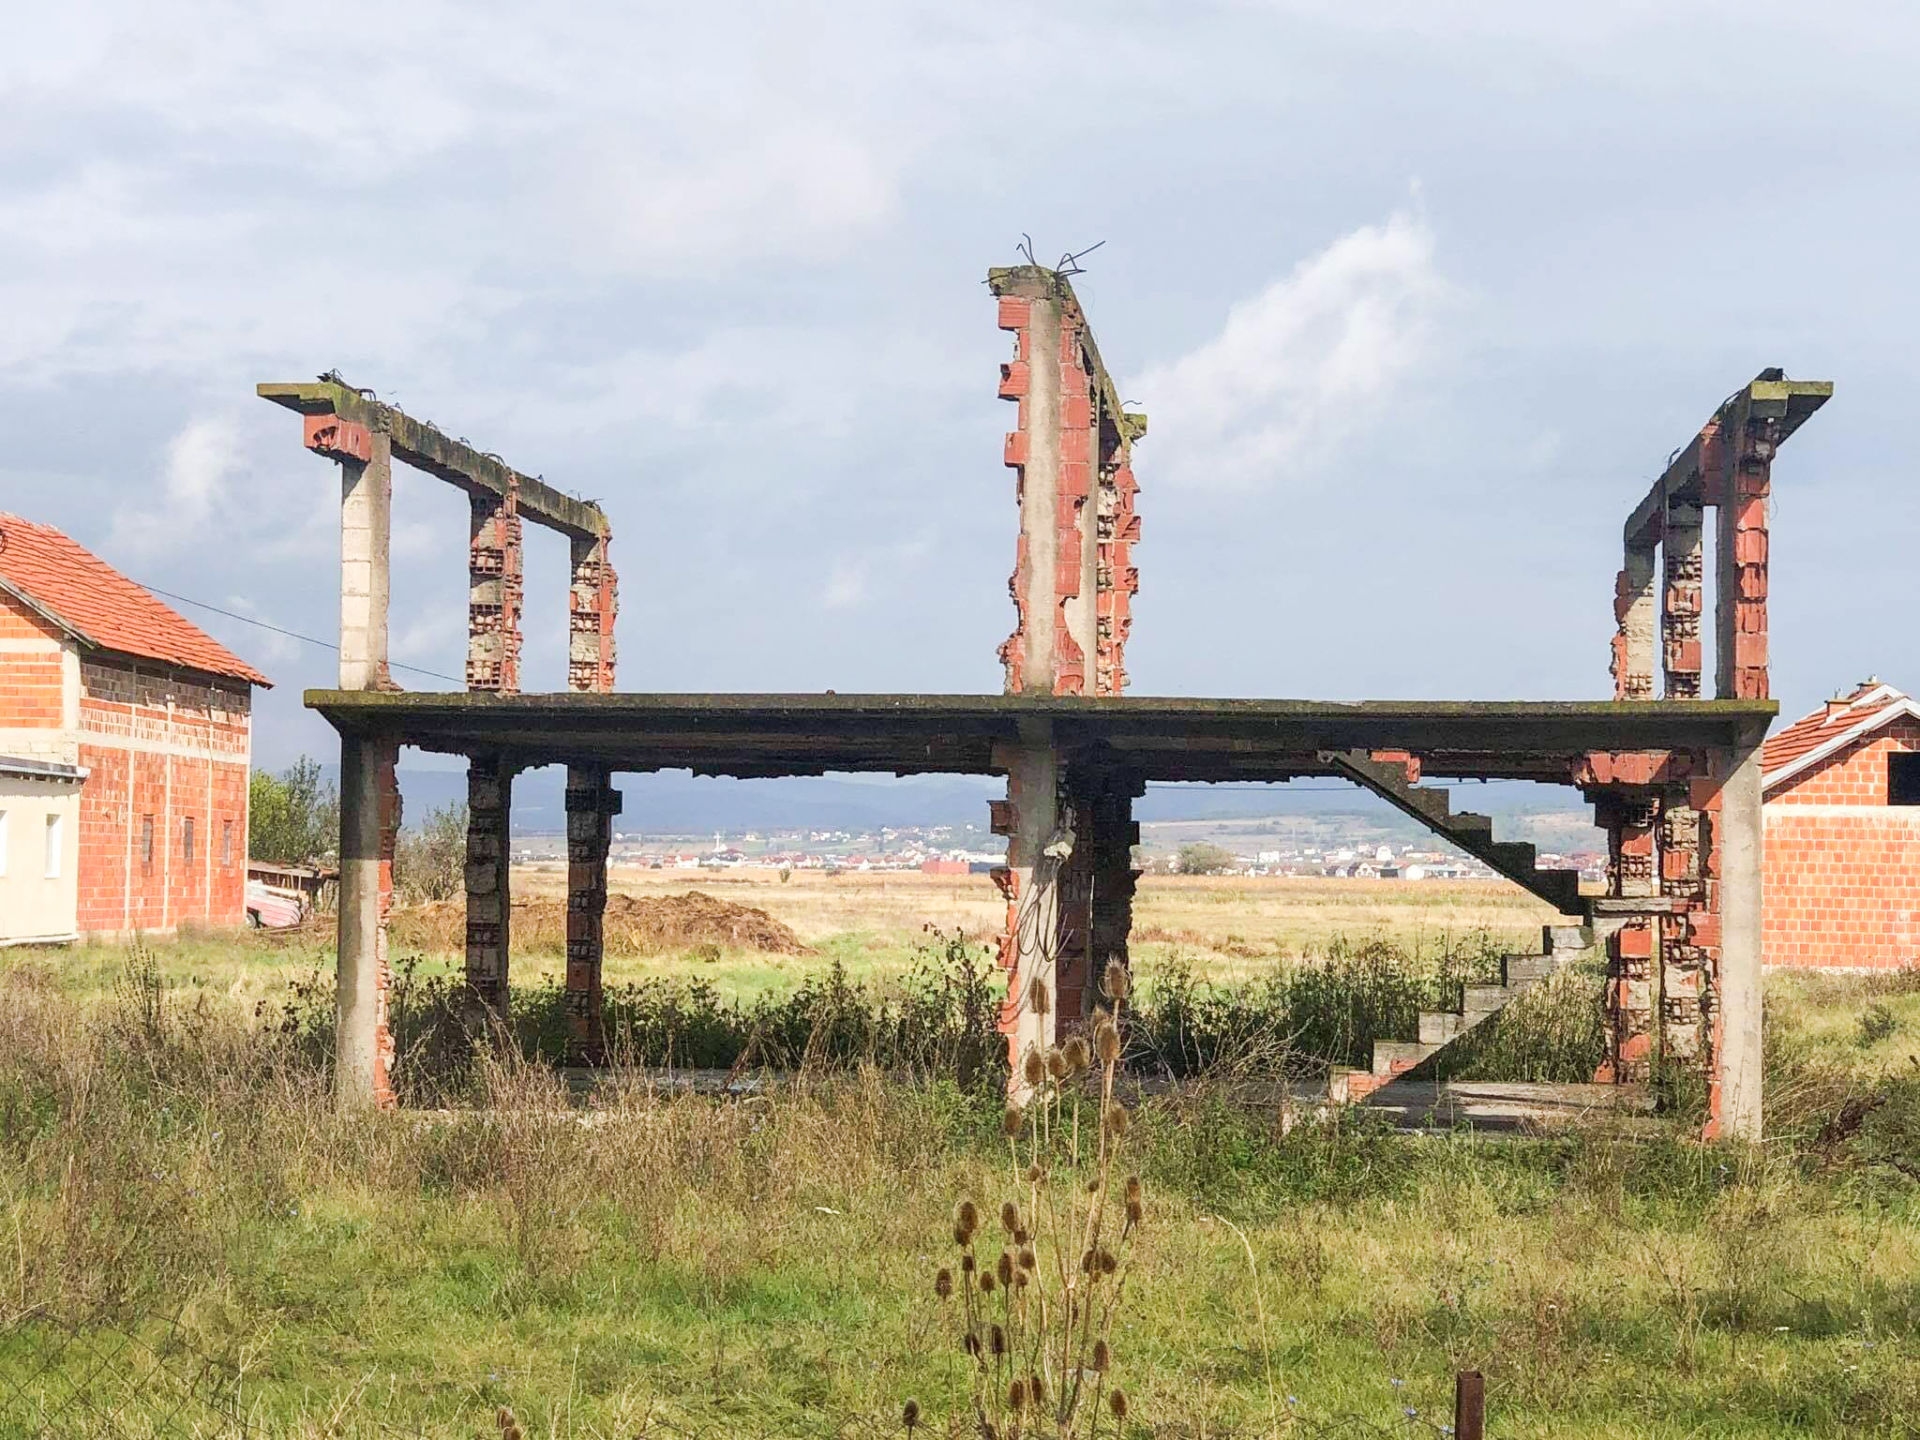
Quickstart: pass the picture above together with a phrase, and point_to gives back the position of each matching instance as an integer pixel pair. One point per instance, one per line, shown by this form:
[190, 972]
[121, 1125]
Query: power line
[295, 634]
[1270, 786]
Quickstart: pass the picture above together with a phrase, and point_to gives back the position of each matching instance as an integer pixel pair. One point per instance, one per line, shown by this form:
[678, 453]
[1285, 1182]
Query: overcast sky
[1418, 298]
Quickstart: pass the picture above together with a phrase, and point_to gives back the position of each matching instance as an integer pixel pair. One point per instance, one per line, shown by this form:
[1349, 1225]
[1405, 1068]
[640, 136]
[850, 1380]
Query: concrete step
[1483, 1000]
[1560, 889]
[1514, 856]
[1526, 969]
[1393, 1057]
[1566, 941]
[1441, 1027]
[1470, 827]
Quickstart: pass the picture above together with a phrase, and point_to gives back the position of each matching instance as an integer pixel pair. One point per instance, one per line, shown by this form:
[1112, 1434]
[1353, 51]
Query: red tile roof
[102, 608]
[1831, 728]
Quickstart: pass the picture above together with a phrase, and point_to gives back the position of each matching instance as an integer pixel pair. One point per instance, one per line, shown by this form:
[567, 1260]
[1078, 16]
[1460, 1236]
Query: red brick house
[125, 743]
[1842, 814]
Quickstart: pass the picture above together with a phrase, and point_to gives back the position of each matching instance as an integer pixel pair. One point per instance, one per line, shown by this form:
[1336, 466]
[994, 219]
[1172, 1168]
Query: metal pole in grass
[1470, 1406]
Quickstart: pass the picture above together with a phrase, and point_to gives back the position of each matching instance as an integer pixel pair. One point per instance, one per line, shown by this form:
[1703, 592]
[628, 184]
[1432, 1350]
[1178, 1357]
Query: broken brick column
[593, 602]
[1117, 528]
[1636, 604]
[1629, 818]
[1683, 979]
[1741, 544]
[494, 592]
[1680, 603]
[592, 606]
[489, 891]
[592, 802]
[1112, 833]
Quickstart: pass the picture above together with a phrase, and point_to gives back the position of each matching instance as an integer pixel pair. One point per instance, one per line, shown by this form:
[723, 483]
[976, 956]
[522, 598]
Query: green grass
[673, 1265]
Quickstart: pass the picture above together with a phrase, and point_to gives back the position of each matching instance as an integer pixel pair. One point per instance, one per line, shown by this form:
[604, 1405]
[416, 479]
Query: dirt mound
[635, 925]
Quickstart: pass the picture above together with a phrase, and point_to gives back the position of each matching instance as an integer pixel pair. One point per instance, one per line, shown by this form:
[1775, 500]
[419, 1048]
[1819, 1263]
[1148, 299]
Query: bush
[1202, 858]
[430, 860]
[293, 818]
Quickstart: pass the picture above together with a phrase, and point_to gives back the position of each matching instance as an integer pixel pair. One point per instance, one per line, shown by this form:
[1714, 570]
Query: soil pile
[635, 925]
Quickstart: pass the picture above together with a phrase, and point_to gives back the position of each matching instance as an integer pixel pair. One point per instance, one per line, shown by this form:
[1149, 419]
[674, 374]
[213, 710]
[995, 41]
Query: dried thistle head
[1057, 1064]
[910, 1413]
[1102, 1356]
[1133, 1187]
[1106, 1040]
[1087, 1262]
[509, 1427]
[943, 1282]
[1117, 1121]
[986, 1282]
[1012, 1121]
[1036, 1172]
[1021, 1279]
[1136, 1212]
[1037, 1388]
[1118, 982]
[1076, 1054]
[1039, 998]
[966, 1264]
[1033, 1068]
[1009, 1216]
[966, 1219]
[1108, 1264]
[1117, 1402]
[1021, 1237]
[1003, 1268]
[1027, 1259]
[1093, 1186]
[997, 1341]
[1017, 1395]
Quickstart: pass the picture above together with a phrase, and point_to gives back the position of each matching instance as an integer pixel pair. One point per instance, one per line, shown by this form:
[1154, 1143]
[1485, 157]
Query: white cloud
[201, 461]
[851, 581]
[846, 585]
[1301, 366]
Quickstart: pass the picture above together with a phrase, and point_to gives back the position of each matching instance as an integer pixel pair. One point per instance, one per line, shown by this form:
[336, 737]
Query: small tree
[293, 818]
[430, 860]
[1203, 858]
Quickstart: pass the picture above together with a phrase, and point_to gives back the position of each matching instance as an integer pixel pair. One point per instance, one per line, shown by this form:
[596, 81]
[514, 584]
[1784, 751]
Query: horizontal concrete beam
[1694, 472]
[1157, 739]
[424, 447]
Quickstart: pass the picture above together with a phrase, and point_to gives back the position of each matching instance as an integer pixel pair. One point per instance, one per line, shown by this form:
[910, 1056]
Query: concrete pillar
[369, 822]
[1680, 600]
[593, 603]
[1741, 545]
[494, 593]
[489, 891]
[1030, 950]
[366, 525]
[592, 802]
[1636, 603]
[1739, 844]
[1682, 964]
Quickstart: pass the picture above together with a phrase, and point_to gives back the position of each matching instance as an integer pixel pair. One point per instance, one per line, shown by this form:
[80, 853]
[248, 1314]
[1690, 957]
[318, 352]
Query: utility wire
[295, 634]
[1270, 786]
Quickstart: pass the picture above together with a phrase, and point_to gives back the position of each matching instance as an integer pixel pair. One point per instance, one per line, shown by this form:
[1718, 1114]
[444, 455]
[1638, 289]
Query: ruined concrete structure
[1675, 779]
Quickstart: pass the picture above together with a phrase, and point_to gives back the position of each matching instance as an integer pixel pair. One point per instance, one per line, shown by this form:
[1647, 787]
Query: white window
[3, 842]
[53, 847]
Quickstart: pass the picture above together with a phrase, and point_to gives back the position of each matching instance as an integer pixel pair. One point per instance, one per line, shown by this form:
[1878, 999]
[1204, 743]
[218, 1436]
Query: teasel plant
[1035, 1287]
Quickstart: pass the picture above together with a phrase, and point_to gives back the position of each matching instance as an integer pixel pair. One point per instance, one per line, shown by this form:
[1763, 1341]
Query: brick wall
[1842, 866]
[164, 752]
[32, 681]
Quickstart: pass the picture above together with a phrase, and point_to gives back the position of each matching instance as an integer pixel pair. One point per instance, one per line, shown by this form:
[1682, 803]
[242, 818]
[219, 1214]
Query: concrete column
[592, 605]
[1741, 557]
[592, 802]
[369, 820]
[489, 893]
[1680, 600]
[494, 590]
[1636, 603]
[1740, 843]
[1031, 950]
[366, 524]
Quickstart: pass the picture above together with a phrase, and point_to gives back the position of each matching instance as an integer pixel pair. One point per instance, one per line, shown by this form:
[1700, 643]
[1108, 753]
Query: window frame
[1904, 791]
[54, 828]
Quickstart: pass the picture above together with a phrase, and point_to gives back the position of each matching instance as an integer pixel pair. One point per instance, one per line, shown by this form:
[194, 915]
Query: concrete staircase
[1561, 945]
[1433, 807]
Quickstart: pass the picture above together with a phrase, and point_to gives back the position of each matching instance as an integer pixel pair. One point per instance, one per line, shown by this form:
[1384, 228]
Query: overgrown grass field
[200, 1245]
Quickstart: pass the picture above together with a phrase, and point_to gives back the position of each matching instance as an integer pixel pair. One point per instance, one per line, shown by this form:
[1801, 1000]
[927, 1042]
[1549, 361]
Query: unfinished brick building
[129, 735]
[1842, 813]
[1675, 779]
